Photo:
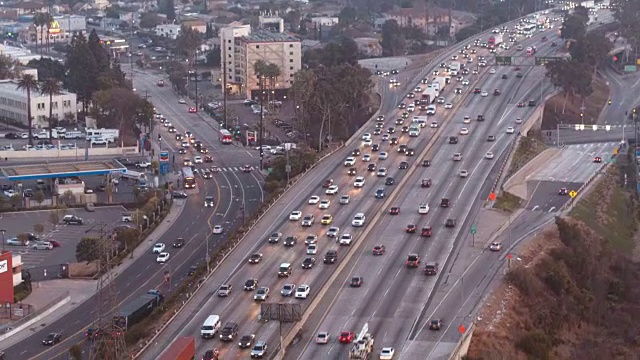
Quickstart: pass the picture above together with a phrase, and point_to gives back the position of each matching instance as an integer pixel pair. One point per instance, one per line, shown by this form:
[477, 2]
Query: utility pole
[195, 70]
[224, 84]
[261, 87]
[582, 109]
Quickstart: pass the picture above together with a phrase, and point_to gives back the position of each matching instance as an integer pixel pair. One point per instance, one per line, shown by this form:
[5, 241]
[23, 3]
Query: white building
[13, 104]
[325, 21]
[241, 48]
[171, 31]
[270, 21]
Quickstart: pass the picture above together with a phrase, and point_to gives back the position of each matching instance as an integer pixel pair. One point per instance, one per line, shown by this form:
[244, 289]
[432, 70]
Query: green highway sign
[503, 60]
[541, 60]
[474, 229]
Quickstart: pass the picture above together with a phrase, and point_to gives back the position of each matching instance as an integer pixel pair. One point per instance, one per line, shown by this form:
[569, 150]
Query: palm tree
[47, 19]
[28, 82]
[50, 87]
[37, 23]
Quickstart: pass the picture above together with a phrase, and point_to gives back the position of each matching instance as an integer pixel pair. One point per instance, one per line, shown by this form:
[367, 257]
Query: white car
[350, 161]
[302, 292]
[387, 353]
[322, 337]
[382, 172]
[324, 204]
[466, 120]
[511, 130]
[464, 173]
[518, 120]
[217, 229]
[495, 246]
[162, 258]
[448, 106]
[488, 155]
[423, 209]
[359, 182]
[366, 157]
[367, 142]
[383, 155]
[333, 231]
[312, 249]
[358, 220]
[158, 248]
[315, 199]
[457, 157]
[346, 239]
[492, 71]
[366, 136]
[433, 125]
[465, 82]
[197, 160]
[484, 94]
[295, 215]
[332, 190]
[464, 131]
[441, 100]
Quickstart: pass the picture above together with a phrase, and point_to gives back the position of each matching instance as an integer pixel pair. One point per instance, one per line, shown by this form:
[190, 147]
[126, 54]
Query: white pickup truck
[143, 164]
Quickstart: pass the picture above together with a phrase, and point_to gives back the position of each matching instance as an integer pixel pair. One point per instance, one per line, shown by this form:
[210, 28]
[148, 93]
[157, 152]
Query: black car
[379, 193]
[290, 241]
[246, 341]
[92, 333]
[211, 354]
[178, 243]
[519, 75]
[13, 136]
[404, 129]
[435, 324]
[356, 281]
[371, 167]
[275, 238]
[453, 139]
[393, 141]
[426, 163]
[52, 339]
[411, 229]
[410, 152]
[532, 103]
[450, 223]
[330, 257]
[402, 148]
[308, 262]
[352, 171]
[182, 150]
[178, 194]
[355, 152]
[491, 138]
[445, 202]
[250, 284]
[375, 147]
[399, 121]
[391, 130]
[480, 118]
[192, 270]
[403, 165]
[389, 181]
[27, 193]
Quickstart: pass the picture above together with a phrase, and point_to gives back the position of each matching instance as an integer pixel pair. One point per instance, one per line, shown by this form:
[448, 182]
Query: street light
[2, 231]
[287, 169]
[261, 87]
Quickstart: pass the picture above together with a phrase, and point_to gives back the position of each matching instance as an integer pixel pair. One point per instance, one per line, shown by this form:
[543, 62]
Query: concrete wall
[127, 150]
[517, 184]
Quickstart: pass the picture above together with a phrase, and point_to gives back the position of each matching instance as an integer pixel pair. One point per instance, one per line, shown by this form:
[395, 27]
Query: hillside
[574, 292]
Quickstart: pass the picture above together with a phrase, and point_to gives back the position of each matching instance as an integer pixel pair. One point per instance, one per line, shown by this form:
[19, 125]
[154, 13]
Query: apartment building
[13, 105]
[242, 48]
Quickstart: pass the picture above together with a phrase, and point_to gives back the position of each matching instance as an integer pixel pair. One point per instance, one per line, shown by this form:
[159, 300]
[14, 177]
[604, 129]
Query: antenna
[107, 338]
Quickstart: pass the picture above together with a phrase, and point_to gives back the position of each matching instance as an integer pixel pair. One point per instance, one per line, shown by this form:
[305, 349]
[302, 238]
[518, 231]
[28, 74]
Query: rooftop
[11, 87]
[57, 170]
[268, 36]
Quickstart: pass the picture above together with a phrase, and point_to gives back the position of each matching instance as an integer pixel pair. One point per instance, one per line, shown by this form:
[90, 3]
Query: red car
[160, 83]
[378, 250]
[426, 231]
[55, 243]
[327, 183]
[208, 159]
[394, 210]
[346, 337]
[193, 110]
[521, 104]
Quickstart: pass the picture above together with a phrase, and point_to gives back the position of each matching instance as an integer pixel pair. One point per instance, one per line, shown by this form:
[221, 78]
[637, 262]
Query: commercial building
[170, 31]
[196, 25]
[10, 275]
[242, 47]
[61, 29]
[13, 105]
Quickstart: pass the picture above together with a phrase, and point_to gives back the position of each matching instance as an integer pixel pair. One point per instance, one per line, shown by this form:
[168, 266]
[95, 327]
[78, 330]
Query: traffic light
[159, 137]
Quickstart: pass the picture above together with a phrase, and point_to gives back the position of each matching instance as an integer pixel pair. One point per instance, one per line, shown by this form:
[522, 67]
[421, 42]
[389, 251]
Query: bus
[529, 29]
[188, 178]
[225, 136]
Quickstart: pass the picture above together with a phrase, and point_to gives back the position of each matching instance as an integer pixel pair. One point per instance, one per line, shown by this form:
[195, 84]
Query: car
[383, 155]
[255, 258]
[426, 231]
[389, 181]
[423, 209]
[463, 173]
[192, 110]
[379, 193]
[458, 90]
[597, 159]
[426, 163]
[466, 120]
[72, 220]
[359, 182]
[324, 204]
[464, 131]
[346, 337]
[327, 183]
[42, 245]
[302, 292]
[247, 168]
[311, 239]
[492, 71]
[431, 268]
[402, 106]
[477, 91]
[484, 94]
[465, 82]
[312, 249]
[218, 229]
[187, 162]
[387, 353]
[403, 165]
[504, 76]
[261, 294]
[367, 142]
[314, 200]
[366, 136]
[295, 215]
[445, 202]
[246, 341]
[480, 118]
[350, 161]
[379, 250]
[52, 339]
[518, 120]
[448, 106]
[495, 246]
[178, 243]
[345, 239]
[371, 167]
[308, 220]
[496, 92]
[520, 104]
[322, 337]
[426, 183]
[355, 152]
[382, 172]
[332, 190]
[182, 150]
[358, 220]
[356, 281]
[209, 202]
[366, 157]
[395, 210]
[491, 138]
[352, 171]
[259, 350]
[198, 160]
[333, 231]
[519, 75]
[158, 248]
[563, 191]
[413, 260]
[288, 290]
[327, 219]
[450, 223]
[308, 262]
[250, 284]
[344, 199]
[457, 157]
[531, 103]
[435, 324]
[410, 229]
[510, 130]
[162, 258]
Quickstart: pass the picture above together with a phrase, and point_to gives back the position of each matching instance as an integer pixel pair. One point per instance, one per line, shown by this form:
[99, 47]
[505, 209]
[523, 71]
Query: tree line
[588, 50]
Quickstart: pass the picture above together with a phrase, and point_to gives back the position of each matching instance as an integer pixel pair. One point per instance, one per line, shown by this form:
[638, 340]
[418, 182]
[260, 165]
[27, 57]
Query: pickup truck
[143, 164]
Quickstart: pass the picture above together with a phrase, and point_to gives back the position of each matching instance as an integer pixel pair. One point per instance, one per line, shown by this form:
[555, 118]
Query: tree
[47, 68]
[214, 57]
[348, 15]
[50, 87]
[37, 24]
[47, 19]
[167, 7]
[75, 351]
[8, 69]
[573, 28]
[82, 71]
[627, 13]
[28, 83]
[188, 41]
[144, 115]
[88, 249]
[149, 20]
[39, 197]
[116, 107]
[341, 51]
[100, 54]
[38, 228]
[393, 42]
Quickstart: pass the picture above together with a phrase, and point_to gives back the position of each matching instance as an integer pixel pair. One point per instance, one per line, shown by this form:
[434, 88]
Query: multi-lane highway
[231, 191]
[500, 112]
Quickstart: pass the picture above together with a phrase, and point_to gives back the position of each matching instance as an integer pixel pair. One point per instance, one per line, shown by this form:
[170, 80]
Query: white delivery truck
[414, 130]
[420, 121]
[430, 94]
[440, 81]
[454, 68]
[109, 135]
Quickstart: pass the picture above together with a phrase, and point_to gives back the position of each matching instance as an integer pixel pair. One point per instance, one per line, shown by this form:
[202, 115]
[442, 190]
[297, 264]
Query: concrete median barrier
[517, 184]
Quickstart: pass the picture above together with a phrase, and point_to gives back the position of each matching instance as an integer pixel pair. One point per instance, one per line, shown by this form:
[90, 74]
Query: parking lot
[67, 235]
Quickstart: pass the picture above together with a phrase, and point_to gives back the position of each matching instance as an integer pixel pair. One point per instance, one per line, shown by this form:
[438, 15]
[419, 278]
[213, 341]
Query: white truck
[362, 347]
[430, 94]
[495, 40]
[109, 135]
[414, 130]
[454, 68]
[420, 121]
[439, 82]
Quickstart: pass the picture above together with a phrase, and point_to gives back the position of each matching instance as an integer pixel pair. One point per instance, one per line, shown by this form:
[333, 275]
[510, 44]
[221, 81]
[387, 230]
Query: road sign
[492, 196]
[509, 256]
[163, 168]
[541, 60]
[462, 329]
[163, 156]
[503, 60]
[474, 229]
[573, 193]
[615, 151]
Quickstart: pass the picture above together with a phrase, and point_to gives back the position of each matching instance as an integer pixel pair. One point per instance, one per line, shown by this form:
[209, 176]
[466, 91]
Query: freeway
[394, 296]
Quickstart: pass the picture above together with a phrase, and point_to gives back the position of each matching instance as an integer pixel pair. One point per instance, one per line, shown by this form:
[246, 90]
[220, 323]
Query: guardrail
[463, 345]
[16, 326]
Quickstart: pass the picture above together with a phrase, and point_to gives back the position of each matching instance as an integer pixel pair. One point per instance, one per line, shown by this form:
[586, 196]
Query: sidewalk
[79, 290]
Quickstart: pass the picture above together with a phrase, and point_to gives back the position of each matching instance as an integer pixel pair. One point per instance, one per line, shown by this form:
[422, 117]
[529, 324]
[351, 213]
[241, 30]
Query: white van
[210, 327]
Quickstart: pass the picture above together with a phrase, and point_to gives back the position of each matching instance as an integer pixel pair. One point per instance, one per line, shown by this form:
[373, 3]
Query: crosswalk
[216, 169]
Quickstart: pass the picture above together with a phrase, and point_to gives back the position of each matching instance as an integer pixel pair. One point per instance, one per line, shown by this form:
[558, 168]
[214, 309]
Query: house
[369, 47]
[171, 31]
[427, 18]
[325, 21]
[196, 25]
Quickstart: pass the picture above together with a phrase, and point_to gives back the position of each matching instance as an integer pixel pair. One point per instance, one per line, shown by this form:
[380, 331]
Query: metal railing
[14, 325]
